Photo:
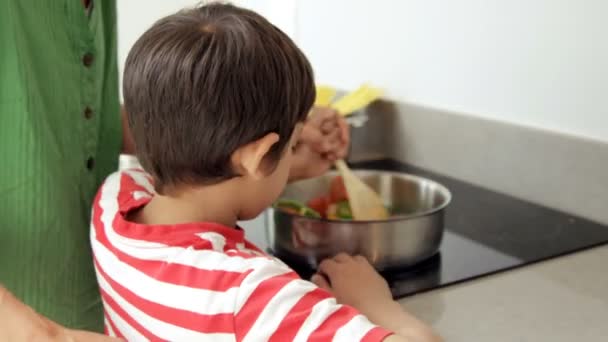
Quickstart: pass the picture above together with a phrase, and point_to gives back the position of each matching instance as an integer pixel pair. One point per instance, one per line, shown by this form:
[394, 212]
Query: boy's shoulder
[126, 186]
[129, 179]
[125, 189]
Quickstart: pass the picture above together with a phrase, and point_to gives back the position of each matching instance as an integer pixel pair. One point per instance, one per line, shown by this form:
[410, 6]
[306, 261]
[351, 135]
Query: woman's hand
[325, 138]
[327, 133]
[19, 322]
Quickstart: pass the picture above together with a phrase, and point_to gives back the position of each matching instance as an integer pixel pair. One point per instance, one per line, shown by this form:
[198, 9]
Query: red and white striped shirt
[203, 281]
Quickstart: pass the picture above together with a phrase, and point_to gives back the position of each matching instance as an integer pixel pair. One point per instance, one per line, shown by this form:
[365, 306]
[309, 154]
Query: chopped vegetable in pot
[333, 205]
[339, 211]
[337, 190]
[296, 208]
[319, 204]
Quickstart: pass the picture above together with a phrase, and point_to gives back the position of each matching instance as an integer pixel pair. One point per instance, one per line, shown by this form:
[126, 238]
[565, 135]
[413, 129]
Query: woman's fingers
[329, 126]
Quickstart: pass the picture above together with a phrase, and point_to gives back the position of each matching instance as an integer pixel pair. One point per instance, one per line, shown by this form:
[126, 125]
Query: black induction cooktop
[486, 232]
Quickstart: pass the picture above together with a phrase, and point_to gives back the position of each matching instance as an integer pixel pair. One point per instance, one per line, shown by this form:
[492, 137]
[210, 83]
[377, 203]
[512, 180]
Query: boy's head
[213, 93]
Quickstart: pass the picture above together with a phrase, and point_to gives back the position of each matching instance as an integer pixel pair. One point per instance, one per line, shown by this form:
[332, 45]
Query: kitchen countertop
[563, 299]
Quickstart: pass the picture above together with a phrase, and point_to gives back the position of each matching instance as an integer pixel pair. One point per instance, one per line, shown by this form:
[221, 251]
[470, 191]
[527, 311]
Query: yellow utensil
[365, 203]
[325, 94]
[356, 100]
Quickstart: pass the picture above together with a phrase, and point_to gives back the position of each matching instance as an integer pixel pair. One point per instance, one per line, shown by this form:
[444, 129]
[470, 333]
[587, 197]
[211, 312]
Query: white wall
[541, 63]
[136, 16]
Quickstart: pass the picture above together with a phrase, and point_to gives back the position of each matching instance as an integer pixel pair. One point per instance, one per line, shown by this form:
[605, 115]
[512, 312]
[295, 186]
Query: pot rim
[403, 217]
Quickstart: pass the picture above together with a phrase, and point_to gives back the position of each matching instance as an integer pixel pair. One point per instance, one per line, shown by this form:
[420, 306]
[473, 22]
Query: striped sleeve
[283, 307]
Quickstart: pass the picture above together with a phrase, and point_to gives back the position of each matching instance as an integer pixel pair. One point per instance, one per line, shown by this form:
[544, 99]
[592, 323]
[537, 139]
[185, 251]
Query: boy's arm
[355, 282]
[284, 307]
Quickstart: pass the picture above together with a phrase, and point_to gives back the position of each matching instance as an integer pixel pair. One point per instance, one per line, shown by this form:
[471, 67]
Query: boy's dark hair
[205, 81]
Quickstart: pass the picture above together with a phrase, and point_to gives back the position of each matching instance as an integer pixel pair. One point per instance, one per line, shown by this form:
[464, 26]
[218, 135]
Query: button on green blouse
[60, 136]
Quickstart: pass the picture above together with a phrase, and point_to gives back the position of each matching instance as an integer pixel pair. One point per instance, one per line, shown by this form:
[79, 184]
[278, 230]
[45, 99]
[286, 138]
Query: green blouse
[60, 135]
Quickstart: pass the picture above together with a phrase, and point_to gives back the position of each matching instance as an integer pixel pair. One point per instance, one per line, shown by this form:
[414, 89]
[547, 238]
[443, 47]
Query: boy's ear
[249, 159]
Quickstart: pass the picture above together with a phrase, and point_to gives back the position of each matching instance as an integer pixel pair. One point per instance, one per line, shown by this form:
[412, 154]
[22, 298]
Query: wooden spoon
[365, 203]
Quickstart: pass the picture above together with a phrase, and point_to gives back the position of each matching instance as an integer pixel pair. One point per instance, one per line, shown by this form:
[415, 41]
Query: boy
[217, 97]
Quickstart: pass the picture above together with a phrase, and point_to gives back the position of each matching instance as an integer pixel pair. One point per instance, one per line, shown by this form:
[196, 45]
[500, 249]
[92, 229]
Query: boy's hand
[353, 281]
[325, 138]
[19, 322]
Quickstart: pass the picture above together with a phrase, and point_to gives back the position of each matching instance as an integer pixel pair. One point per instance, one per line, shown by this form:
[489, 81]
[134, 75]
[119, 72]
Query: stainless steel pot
[413, 234]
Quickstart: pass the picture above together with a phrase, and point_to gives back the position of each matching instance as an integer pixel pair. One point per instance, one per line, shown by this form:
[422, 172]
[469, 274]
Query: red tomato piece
[319, 204]
[337, 190]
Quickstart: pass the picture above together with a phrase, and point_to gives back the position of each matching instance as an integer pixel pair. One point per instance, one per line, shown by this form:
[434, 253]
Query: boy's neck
[202, 204]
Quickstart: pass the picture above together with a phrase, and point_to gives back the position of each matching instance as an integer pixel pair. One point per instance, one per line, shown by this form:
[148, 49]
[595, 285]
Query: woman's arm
[19, 322]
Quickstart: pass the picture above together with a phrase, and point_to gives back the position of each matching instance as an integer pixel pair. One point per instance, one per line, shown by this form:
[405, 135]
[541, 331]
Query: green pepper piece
[298, 207]
[343, 210]
[309, 212]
